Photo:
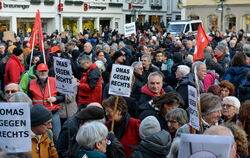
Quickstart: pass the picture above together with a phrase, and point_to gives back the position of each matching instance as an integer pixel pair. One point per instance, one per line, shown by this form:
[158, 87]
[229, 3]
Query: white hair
[100, 65]
[234, 100]
[184, 69]
[91, 133]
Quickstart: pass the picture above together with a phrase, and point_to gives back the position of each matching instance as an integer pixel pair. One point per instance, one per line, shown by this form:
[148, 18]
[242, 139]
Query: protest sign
[203, 146]
[129, 29]
[120, 82]
[64, 77]
[15, 127]
[193, 111]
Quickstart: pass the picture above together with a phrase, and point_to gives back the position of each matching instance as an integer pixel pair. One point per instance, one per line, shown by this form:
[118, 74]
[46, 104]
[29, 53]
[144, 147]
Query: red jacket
[90, 88]
[40, 96]
[13, 70]
[131, 136]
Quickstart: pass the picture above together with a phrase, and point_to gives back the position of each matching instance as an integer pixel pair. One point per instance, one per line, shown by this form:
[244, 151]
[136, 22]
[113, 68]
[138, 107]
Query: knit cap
[149, 126]
[39, 115]
[17, 51]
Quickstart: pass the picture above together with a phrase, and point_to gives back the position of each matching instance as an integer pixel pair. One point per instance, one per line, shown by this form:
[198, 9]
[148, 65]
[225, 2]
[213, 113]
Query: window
[195, 26]
[230, 23]
[187, 28]
[212, 23]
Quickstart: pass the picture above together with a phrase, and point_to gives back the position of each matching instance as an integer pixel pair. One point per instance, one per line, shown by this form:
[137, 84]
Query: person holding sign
[90, 86]
[42, 142]
[126, 128]
[43, 91]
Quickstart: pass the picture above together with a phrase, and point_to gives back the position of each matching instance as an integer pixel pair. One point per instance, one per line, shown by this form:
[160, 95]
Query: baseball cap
[42, 67]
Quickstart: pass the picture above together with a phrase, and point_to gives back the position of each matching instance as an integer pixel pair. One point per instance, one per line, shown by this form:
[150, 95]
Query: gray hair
[246, 48]
[197, 64]
[20, 97]
[100, 65]
[216, 130]
[180, 115]
[91, 133]
[136, 64]
[184, 69]
[234, 100]
[84, 58]
[114, 48]
[146, 56]
[106, 47]
[19, 87]
[156, 73]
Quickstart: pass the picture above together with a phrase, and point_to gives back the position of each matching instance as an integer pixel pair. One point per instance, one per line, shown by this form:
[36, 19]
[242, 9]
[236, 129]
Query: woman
[138, 80]
[175, 119]
[230, 109]
[227, 89]
[160, 106]
[92, 138]
[126, 129]
[20, 97]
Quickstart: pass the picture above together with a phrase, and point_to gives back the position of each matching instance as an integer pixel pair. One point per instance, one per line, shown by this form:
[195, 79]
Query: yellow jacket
[43, 147]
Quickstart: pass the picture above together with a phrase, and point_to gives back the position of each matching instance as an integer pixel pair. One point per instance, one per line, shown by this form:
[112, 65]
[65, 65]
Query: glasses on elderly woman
[226, 105]
[10, 91]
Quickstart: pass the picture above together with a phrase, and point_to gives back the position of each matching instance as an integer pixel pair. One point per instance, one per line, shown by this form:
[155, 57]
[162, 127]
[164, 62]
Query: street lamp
[220, 8]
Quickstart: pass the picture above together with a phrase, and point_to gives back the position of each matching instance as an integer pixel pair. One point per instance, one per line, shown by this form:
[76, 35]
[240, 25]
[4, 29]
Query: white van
[183, 26]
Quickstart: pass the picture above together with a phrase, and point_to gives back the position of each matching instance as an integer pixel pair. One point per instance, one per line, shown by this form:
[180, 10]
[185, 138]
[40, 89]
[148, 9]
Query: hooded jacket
[155, 145]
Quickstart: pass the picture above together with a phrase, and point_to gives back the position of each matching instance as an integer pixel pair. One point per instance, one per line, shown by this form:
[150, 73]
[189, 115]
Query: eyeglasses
[10, 91]
[227, 105]
[47, 123]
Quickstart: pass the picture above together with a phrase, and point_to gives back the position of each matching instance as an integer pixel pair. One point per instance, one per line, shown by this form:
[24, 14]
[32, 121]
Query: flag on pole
[37, 33]
[201, 43]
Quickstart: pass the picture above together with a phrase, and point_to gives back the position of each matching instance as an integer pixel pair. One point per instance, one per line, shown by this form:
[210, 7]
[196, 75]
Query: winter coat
[155, 145]
[145, 74]
[43, 148]
[222, 65]
[90, 154]
[147, 95]
[90, 88]
[136, 89]
[182, 88]
[13, 70]
[209, 80]
[244, 92]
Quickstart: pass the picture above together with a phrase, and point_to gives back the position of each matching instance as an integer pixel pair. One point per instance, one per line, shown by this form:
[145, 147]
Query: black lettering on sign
[61, 63]
[11, 111]
[122, 70]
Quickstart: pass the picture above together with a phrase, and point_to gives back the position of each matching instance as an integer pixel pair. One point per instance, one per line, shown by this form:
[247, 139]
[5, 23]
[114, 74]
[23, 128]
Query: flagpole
[32, 49]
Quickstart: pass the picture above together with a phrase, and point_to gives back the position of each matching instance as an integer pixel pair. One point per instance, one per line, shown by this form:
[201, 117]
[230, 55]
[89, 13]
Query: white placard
[15, 127]
[193, 110]
[64, 77]
[120, 82]
[204, 146]
[129, 29]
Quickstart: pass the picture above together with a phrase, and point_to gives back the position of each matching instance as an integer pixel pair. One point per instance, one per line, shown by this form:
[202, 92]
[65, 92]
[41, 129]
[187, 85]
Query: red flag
[37, 33]
[201, 43]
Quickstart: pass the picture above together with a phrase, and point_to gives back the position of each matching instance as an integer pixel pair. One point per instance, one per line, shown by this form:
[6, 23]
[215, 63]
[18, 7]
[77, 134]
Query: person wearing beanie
[14, 67]
[230, 109]
[155, 142]
[222, 58]
[41, 135]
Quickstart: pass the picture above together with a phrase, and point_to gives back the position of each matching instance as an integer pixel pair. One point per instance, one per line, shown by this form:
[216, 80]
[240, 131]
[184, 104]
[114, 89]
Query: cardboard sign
[64, 77]
[9, 35]
[120, 82]
[129, 29]
[204, 146]
[15, 127]
[193, 110]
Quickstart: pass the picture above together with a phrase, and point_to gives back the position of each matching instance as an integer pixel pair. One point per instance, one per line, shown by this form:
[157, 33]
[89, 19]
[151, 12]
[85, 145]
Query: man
[222, 59]
[2, 50]
[43, 91]
[42, 142]
[143, 49]
[90, 86]
[189, 79]
[88, 50]
[10, 89]
[14, 67]
[189, 47]
[148, 67]
[223, 131]
[152, 88]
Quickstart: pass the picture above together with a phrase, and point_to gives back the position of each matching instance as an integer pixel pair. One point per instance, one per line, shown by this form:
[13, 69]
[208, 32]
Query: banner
[193, 110]
[204, 146]
[120, 81]
[15, 127]
[129, 29]
[37, 33]
[201, 43]
[64, 77]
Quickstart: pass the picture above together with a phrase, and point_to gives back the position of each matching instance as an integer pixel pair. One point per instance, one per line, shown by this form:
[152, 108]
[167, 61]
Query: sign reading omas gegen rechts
[15, 127]
[121, 79]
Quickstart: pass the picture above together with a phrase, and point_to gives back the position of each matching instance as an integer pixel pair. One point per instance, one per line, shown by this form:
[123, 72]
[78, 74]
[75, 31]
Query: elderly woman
[92, 138]
[138, 80]
[126, 128]
[230, 109]
[175, 119]
[20, 97]
[210, 113]
[160, 106]
[227, 89]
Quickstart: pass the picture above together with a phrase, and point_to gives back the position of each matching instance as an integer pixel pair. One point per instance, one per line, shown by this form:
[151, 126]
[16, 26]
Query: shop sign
[97, 7]
[5, 5]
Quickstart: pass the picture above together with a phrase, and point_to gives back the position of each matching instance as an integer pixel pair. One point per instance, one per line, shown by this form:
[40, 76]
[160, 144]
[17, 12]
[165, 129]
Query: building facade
[77, 15]
[224, 15]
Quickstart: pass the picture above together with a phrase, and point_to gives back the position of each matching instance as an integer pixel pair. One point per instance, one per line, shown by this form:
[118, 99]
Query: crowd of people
[150, 122]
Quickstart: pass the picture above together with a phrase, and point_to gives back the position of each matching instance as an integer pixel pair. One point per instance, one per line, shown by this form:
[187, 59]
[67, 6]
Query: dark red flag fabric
[201, 43]
[37, 33]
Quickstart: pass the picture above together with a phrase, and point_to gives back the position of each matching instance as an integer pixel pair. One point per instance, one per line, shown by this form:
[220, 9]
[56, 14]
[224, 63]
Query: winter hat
[149, 126]
[17, 51]
[39, 114]
[90, 113]
[221, 48]
[117, 55]
[177, 57]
